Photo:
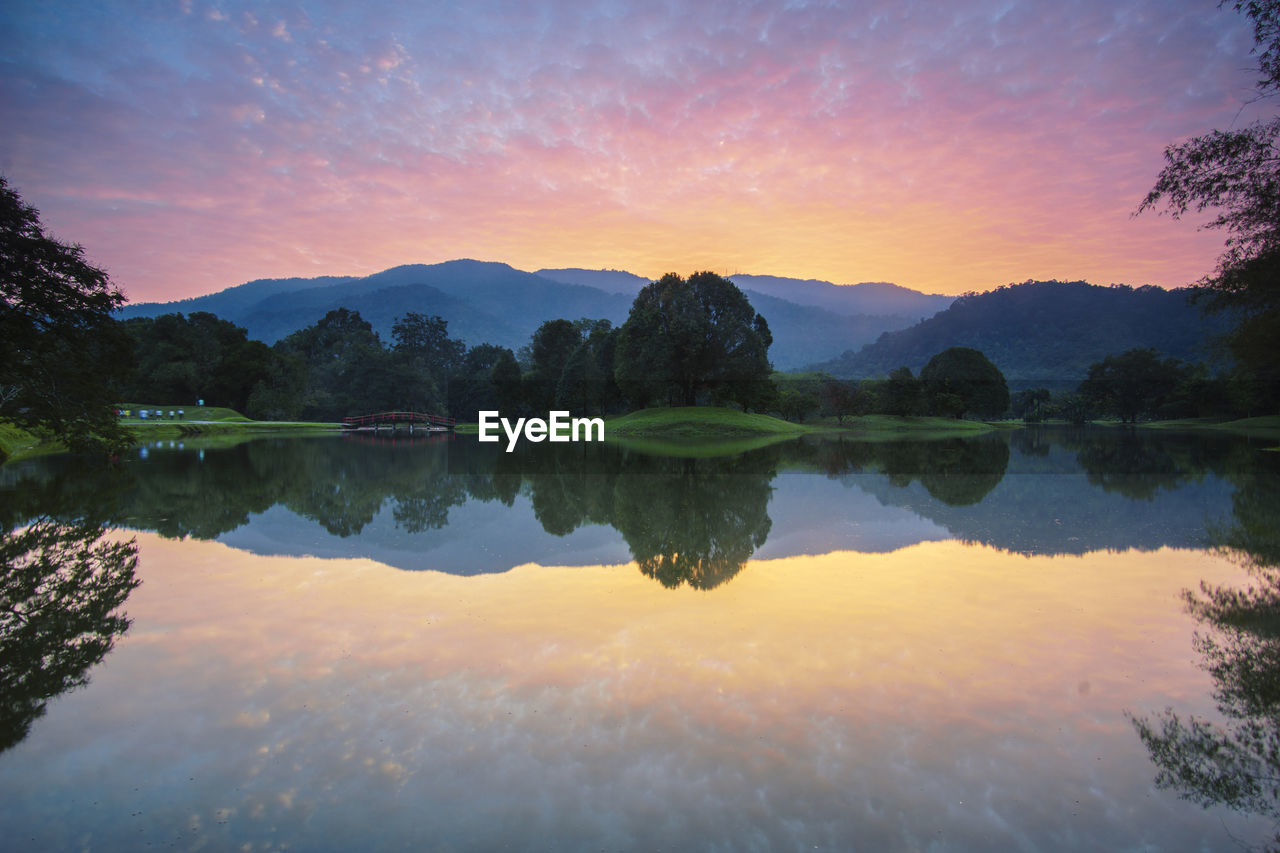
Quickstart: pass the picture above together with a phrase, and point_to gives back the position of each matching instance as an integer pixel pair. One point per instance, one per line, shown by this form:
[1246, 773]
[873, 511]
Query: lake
[377, 643]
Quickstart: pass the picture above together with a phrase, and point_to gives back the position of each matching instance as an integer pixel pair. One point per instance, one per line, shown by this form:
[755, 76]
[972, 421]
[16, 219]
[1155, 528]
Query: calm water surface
[339, 644]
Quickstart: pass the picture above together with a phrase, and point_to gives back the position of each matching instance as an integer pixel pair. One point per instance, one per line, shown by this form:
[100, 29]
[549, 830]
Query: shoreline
[699, 429]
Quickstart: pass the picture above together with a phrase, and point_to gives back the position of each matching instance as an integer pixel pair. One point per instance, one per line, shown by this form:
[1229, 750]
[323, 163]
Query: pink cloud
[945, 152]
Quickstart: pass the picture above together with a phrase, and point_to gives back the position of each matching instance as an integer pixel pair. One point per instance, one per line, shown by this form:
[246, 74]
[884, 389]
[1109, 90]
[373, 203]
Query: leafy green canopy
[683, 337]
[962, 379]
[61, 352]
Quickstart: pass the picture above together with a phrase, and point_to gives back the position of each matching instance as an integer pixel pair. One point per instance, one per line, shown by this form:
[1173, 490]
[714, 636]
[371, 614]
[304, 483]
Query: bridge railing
[392, 418]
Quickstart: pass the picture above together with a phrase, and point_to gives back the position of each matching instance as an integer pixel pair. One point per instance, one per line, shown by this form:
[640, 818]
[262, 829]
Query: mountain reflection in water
[426, 503]
[849, 645]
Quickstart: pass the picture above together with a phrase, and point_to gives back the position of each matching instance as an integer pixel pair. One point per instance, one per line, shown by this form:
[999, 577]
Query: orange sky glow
[195, 146]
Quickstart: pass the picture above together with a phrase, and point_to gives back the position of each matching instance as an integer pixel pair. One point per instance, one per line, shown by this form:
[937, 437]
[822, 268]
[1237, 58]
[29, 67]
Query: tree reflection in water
[694, 521]
[61, 587]
[956, 471]
[686, 521]
[1234, 762]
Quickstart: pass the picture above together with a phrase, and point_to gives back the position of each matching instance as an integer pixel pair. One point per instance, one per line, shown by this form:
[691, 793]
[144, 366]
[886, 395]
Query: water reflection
[1233, 759]
[465, 508]
[693, 521]
[957, 471]
[61, 587]
[856, 678]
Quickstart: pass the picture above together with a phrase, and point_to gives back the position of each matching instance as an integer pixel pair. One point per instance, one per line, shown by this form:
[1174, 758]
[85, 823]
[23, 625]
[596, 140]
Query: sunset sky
[947, 147]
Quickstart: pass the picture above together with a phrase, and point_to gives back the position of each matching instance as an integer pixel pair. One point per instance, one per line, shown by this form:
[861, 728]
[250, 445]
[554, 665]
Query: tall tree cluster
[61, 352]
[684, 338]
[1235, 176]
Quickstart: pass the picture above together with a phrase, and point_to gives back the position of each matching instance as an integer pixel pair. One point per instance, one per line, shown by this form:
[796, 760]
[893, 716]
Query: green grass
[205, 421]
[698, 422]
[192, 413]
[712, 431]
[699, 448]
[178, 429]
[1265, 426]
[892, 427]
[209, 422]
[17, 443]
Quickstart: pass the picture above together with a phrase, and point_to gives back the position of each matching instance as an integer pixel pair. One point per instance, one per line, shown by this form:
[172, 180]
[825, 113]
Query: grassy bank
[1266, 426]
[207, 422]
[686, 424]
[917, 428]
[699, 422]
[17, 443]
[707, 422]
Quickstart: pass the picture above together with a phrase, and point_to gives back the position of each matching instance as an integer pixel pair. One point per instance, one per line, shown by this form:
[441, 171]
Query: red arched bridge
[393, 420]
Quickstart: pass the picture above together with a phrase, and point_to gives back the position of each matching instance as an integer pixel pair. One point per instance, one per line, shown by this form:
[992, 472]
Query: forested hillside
[1044, 332]
[494, 303]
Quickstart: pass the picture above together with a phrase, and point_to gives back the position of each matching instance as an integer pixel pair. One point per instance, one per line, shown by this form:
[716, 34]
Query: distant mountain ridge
[488, 302]
[870, 298]
[1044, 332]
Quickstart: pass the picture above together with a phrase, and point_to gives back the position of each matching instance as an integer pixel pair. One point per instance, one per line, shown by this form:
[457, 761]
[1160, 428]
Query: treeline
[1137, 385]
[686, 341]
[339, 366]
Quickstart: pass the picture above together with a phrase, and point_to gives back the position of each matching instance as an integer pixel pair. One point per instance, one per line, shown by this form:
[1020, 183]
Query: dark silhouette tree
[551, 347]
[472, 386]
[1030, 404]
[587, 383]
[901, 394]
[960, 380]
[181, 359]
[1236, 175]
[505, 376]
[349, 371]
[684, 337]
[61, 353]
[844, 399]
[424, 343]
[1131, 385]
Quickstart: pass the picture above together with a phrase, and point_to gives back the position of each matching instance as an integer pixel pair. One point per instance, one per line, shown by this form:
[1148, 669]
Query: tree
[962, 379]
[552, 345]
[900, 395]
[427, 338]
[1133, 384]
[61, 353]
[1029, 404]
[1232, 758]
[587, 381]
[796, 405]
[687, 336]
[844, 399]
[505, 376]
[180, 359]
[349, 372]
[62, 586]
[1236, 174]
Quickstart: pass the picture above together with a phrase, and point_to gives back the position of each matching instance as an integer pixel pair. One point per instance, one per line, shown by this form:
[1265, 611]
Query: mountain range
[1037, 333]
[1045, 333]
[488, 302]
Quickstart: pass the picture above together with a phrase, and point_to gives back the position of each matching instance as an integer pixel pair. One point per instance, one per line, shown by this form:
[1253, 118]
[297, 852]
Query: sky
[948, 147]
